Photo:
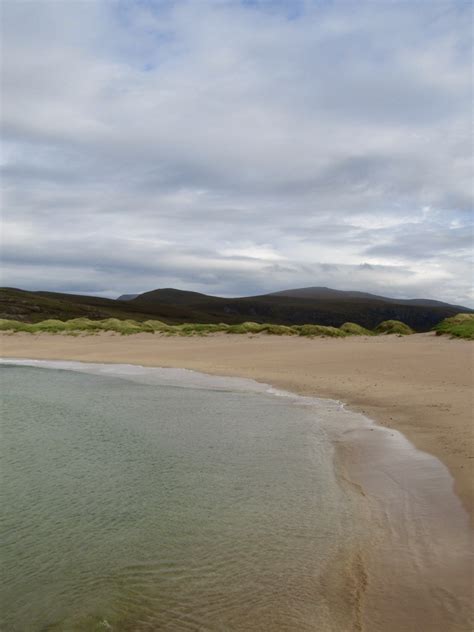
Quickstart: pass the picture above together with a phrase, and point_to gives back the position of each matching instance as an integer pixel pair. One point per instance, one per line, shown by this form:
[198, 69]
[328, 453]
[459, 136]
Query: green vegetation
[459, 326]
[311, 331]
[126, 327]
[394, 327]
[191, 329]
[352, 329]
[256, 328]
[12, 325]
[77, 326]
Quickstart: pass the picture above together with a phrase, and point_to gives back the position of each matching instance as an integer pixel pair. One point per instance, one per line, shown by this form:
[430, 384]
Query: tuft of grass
[245, 328]
[12, 325]
[195, 329]
[311, 331]
[257, 328]
[352, 329]
[459, 326]
[394, 327]
[157, 326]
[279, 330]
[82, 324]
[51, 326]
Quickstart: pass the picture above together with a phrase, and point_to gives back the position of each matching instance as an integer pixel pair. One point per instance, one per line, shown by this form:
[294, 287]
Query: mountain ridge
[318, 305]
[169, 295]
[322, 306]
[313, 292]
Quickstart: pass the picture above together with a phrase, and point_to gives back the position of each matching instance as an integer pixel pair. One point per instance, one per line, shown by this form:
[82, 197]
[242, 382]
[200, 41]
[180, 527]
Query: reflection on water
[145, 507]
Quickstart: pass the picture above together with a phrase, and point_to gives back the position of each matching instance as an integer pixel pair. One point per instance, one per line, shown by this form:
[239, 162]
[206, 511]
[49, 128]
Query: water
[147, 506]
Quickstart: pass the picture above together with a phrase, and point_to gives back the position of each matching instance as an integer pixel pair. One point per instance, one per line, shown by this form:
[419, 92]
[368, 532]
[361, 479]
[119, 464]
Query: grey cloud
[421, 242]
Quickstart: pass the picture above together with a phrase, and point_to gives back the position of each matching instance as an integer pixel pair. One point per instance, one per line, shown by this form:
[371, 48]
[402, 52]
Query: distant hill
[33, 307]
[318, 305]
[171, 296]
[324, 293]
[127, 297]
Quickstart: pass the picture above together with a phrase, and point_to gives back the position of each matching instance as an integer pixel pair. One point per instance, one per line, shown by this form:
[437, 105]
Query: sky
[238, 147]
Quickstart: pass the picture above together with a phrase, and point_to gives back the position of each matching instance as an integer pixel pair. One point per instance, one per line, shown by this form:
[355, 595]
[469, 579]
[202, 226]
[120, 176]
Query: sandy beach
[420, 385]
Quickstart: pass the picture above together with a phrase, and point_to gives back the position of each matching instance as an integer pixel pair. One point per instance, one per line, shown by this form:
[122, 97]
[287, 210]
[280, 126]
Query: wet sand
[413, 570]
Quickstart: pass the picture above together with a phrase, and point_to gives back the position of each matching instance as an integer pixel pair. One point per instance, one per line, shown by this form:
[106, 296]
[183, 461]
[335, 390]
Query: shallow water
[147, 506]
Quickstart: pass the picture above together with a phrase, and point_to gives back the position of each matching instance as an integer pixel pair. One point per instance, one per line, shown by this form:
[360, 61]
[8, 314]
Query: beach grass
[393, 327]
[353, 329]
[459, 326]
[311, 331]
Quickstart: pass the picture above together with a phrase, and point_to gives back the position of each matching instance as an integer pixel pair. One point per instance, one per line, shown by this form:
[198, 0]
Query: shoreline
[420, 385]
[438, 568]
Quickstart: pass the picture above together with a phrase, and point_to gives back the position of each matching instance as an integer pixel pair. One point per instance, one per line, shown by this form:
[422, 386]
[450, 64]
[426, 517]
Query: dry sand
[412, 568]
[420, 385]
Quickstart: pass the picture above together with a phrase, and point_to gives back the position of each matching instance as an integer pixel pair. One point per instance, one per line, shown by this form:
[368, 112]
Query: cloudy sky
[237, 147]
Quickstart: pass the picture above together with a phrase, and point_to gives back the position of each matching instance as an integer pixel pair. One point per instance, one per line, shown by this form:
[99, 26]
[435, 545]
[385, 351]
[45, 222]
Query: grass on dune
[352, 329]
[257, 328]
[78, 326]
[74, 326]
[190, 329]
[310, 331]
[459, 326]
[127, 327]
[394, 327]
[12, 325]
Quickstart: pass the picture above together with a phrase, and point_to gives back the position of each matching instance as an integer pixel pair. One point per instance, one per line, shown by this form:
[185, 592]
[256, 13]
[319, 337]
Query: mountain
[34, 307]
[127, 297]
[171, 296]
[324, 293]
[319, 305]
